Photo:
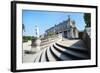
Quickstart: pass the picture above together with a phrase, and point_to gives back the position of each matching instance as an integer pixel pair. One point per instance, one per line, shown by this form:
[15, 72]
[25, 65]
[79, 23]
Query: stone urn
[35, 44]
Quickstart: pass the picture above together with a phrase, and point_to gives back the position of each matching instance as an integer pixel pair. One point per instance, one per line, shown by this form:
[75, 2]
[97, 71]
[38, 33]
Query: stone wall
[86, 37]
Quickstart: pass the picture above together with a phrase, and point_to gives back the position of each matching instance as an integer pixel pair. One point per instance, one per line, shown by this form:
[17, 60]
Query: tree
[26, 38]
[87, 19]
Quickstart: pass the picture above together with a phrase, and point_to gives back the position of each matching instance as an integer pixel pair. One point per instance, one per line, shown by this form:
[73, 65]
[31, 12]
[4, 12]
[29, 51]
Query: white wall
[5, 36]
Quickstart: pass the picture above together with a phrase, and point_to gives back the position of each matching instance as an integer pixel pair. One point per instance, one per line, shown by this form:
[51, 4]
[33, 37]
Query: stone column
[36, 41]
[72, 34]
[76, 33]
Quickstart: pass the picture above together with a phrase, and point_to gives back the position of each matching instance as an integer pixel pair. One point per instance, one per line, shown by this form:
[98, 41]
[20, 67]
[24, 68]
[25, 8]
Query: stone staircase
[59, 52]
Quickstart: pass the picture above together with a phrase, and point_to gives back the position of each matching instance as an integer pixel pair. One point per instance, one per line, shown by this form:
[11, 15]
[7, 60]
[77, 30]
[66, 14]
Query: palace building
[67, 28]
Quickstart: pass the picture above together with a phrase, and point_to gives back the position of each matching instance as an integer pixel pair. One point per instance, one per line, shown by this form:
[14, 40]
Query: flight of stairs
[58, 52]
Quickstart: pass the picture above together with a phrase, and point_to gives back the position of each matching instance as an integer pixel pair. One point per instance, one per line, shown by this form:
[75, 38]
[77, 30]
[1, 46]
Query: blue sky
[47, 19]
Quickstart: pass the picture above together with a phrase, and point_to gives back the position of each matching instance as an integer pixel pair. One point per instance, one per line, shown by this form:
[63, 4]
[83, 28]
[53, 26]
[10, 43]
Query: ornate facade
[67, 28]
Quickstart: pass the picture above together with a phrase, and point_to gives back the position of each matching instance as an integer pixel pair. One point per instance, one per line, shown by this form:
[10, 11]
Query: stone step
[55, 56]
[59, 52]
[50, 55]
[38, 57]
[70, 53]
[59, 55]
[47, 59]
[43, 57]
[78, 50]
[78, 44]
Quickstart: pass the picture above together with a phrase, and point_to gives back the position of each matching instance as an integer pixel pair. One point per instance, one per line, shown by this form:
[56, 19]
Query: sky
[46, 19]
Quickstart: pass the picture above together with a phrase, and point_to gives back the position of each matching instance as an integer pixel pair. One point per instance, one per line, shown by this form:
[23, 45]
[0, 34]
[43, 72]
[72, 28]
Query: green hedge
[26, 38]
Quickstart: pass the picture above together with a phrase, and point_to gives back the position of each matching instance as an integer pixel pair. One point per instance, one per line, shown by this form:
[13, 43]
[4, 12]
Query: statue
[37, 32]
